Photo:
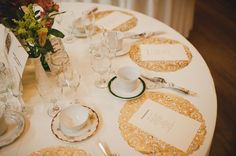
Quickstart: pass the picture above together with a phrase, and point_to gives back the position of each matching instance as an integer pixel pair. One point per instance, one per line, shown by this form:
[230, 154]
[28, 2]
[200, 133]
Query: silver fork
[114, 154]
[143, 34]
[163, 83]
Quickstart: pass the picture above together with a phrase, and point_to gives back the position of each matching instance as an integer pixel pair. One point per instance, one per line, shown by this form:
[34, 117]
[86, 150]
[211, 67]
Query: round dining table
[195, 76]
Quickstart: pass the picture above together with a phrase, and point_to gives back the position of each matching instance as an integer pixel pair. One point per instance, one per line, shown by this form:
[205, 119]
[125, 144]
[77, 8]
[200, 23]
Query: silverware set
[162, 83]
[141, 35]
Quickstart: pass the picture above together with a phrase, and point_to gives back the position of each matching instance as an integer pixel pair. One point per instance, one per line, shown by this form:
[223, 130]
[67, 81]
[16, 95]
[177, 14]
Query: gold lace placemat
[159, 65]
[123, 27]
[147, 144]
[60, 151]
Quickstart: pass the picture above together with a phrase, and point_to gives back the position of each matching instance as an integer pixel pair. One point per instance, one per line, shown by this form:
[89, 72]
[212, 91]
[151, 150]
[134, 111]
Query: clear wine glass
[67, 22]
[101, 64]
[50, 95]
[112, 42]
[58, 64]
[71, 80]
[9, 85]
[88, 22]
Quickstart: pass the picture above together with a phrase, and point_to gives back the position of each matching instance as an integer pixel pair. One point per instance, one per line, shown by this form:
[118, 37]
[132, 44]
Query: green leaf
[36, 12]
[48, 46]
[56, 33]
[19, 14]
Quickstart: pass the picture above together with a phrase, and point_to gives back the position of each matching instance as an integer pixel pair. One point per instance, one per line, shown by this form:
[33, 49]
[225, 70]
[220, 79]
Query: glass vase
[41, 78]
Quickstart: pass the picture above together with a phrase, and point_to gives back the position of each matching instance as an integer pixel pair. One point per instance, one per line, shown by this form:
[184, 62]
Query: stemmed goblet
[67, 78]
[87, 20]
[67, 22]
[100, 63]
[58, 63]
[112, 42]
[10, 85]
[71, 77]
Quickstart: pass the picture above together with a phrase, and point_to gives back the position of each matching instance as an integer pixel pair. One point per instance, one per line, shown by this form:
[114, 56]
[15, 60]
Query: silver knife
[104, 149]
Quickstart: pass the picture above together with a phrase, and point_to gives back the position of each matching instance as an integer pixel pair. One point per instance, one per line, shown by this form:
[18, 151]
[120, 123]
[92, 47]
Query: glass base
[69, 39]
[102, 83]
[53, 110]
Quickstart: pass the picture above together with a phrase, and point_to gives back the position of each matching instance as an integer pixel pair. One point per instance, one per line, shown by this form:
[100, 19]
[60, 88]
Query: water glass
[70, 80]
[50, 95]
[87, 21]
[3, 125]
[113, 44]
[58, 63]
[67, 22]
[101, 64]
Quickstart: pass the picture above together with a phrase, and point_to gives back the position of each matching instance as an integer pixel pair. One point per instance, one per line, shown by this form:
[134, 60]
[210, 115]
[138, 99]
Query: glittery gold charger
[60, 151]
[123, 27]
[149, 145]
[159, 65]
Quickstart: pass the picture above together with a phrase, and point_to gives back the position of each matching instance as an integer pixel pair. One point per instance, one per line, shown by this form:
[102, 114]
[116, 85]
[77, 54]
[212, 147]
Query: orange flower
[42, 36]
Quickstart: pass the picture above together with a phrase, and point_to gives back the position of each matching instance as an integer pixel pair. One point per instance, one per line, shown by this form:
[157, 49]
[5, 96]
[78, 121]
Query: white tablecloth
[196, 76]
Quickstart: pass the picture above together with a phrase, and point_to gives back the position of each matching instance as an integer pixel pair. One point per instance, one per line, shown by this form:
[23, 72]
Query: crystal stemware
[100, 64]
[3, 125]
[87, 20]
[58, 64]
[71, 80]
[67, 22]
[112, 42]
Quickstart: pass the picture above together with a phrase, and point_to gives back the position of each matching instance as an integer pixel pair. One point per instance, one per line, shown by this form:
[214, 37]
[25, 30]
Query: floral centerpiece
[31, 21]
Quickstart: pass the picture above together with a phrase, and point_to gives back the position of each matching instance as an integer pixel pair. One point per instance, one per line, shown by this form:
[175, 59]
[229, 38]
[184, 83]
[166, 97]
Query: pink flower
[49, 23]
[56, 7]
[46, 4]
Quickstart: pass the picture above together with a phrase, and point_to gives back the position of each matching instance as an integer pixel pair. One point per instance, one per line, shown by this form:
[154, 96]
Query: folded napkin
[152, 52]
[113, 20]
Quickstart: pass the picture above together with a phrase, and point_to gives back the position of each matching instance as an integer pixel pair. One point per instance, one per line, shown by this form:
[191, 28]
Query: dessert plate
[76, 136]
[116, 91]
[15, 126]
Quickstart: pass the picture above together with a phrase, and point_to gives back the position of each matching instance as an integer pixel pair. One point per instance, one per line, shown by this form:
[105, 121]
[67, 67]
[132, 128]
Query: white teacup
[127, 78]
[73, 118]
[3, 124]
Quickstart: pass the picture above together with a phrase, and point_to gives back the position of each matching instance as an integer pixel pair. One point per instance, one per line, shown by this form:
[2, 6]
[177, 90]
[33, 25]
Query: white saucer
[112, 86]
[15, 122]
[76, 136]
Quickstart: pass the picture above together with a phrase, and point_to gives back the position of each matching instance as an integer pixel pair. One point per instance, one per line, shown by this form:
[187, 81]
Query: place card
[165, 124]
[151, 52]
[17, 56]
[57, 45]
[113, 20]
